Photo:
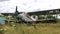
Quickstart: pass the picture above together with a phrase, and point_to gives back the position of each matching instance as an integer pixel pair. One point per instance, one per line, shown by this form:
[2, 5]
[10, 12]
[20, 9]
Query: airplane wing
[45, 12]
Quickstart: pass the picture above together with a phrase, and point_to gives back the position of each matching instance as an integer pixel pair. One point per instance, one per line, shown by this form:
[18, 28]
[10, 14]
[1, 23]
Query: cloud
[3, 0]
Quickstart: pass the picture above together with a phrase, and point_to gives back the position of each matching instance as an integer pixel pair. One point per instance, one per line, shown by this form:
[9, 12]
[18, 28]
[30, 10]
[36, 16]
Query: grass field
[41, 28]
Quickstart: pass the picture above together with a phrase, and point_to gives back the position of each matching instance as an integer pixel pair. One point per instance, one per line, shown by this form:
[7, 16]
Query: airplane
[26, 17]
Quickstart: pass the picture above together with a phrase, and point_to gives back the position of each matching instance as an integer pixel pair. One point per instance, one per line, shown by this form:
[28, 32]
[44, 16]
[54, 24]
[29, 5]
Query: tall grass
[41, 28]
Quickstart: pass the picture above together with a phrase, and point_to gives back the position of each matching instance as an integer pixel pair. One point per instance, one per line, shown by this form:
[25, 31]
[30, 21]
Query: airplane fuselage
[25, 17]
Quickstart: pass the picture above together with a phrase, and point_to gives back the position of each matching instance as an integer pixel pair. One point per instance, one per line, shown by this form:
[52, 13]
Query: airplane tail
[36, 18]
[16, 12]
[30, 17]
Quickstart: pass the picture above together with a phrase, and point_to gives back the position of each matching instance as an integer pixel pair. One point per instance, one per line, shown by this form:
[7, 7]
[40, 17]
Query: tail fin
[36, 18]
[16, 12]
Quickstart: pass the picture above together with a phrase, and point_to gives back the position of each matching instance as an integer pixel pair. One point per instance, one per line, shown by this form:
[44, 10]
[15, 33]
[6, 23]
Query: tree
[41, 17]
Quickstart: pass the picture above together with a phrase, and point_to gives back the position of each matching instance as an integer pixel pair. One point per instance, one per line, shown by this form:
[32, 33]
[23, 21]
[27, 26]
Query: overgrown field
[41, 28]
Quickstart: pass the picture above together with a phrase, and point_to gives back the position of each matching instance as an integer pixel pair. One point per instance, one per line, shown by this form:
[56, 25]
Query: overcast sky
[28, 5]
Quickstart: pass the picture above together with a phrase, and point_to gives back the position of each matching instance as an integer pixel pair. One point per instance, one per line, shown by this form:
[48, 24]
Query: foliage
[47, 17]
[9, 17]
[51, 17]
[41, 28]
[41, 17]
[1, 15]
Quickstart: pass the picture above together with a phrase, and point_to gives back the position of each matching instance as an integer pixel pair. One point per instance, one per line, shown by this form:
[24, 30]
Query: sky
[9, 6]
[28, 5]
